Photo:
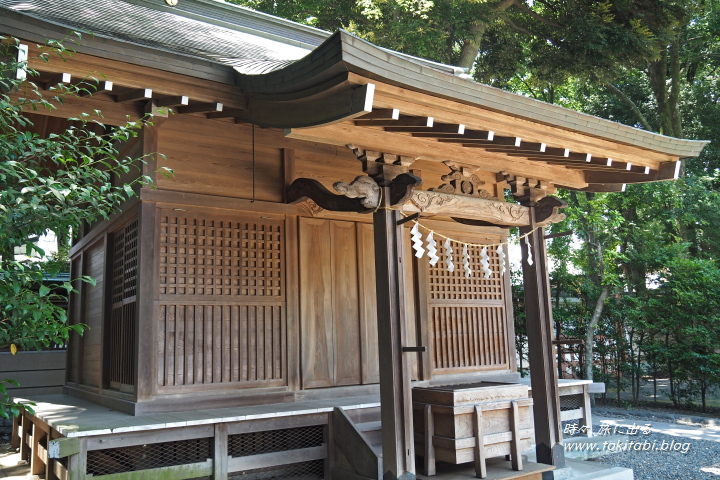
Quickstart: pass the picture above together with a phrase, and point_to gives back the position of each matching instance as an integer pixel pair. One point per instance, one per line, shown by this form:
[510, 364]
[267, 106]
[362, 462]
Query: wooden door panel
[316, 308]
[346, 314]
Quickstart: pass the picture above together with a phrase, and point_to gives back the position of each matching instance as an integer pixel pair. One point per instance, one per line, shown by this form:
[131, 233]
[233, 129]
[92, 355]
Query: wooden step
[369, 426]
[364, 415]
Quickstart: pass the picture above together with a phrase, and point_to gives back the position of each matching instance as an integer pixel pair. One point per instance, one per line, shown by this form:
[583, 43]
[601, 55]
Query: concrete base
[581, 470]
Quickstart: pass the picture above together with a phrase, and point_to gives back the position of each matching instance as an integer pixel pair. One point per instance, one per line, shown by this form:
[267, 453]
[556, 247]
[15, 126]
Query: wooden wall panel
[222, 316]
[93, 314]
[215, 158]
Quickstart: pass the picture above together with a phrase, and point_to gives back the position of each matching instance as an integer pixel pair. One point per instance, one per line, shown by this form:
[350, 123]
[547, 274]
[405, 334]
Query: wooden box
[451, 411]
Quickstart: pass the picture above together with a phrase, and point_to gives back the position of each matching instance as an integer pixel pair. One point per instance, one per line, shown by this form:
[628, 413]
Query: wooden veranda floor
[102, 428]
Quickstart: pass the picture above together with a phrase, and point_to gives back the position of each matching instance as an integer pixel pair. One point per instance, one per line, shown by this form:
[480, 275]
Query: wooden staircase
[355, 449]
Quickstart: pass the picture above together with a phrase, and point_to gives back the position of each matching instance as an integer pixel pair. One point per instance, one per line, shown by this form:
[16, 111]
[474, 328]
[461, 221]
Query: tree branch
[516, 27]
[537, 16]
[626, 100]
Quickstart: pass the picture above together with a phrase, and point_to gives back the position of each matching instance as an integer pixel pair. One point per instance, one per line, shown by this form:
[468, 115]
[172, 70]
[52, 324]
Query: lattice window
[124, 247]
[446, 285]
[200, 256]
[261, 262]
[468, 315]
[571, 402]
[145, 457]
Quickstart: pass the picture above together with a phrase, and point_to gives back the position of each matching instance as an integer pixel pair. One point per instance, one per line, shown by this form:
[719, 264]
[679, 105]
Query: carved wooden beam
[362, 195]
[483, 212]
[306, 188]
[492, 212]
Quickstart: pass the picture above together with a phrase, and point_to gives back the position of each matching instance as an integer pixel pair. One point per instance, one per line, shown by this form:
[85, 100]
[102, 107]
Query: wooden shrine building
[275, 266]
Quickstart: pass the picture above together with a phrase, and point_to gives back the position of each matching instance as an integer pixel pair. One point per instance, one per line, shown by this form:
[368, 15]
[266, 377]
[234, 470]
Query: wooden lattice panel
[201, 256]
[261, 267]
[220, 344]
[469, 336]
[468, 316]
[222, 301]
[446, 285]
[123, 296]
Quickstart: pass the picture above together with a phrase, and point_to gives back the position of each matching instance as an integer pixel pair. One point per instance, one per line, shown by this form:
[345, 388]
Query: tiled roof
[248, 43]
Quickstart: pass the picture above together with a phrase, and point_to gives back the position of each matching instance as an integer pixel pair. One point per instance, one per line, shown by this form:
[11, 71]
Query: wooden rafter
[513, 146]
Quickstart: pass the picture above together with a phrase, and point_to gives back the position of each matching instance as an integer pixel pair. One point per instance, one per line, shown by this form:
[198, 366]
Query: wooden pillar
[541, 355]
[395, 391]
[146, 313]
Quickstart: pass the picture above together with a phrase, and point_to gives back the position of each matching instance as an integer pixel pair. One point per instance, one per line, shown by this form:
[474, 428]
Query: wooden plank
[77, 464]
[288, 170]
[277, 423]
[515, 446]
[128, 439]
[63, 447]
[23, 361]
[586, 419]
[251, 462]
[368, 304]
[345, 299]
[16, 434]
[318, 363]
[59, 470]
[37, 378]
[429, 447]
[176, 472]
[220, 451]
[37, 462]
[479, 449]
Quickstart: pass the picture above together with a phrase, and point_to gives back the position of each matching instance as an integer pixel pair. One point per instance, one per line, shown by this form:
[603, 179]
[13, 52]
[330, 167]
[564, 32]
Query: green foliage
[48, 184]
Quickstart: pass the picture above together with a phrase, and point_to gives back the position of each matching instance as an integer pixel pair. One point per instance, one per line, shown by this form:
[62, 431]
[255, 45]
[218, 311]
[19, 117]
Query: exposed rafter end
[381, 114]
[133, 95]
[91, 88]
[202, 108]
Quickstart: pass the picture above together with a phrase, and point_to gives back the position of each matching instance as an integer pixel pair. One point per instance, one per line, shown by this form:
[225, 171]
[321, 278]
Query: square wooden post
[395, 391]
[541, 355]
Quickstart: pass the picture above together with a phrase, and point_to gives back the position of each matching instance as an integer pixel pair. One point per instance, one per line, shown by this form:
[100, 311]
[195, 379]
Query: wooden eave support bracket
[362, 195]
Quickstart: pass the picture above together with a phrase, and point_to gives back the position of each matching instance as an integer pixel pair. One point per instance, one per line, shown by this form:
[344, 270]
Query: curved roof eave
[346, 53]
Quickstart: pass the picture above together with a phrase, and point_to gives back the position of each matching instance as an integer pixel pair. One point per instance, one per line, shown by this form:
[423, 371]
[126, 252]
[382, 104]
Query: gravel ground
[702, 460]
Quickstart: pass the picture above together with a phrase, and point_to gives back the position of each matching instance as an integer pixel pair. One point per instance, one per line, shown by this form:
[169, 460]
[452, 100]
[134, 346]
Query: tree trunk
[470, 47]
[590, 332]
